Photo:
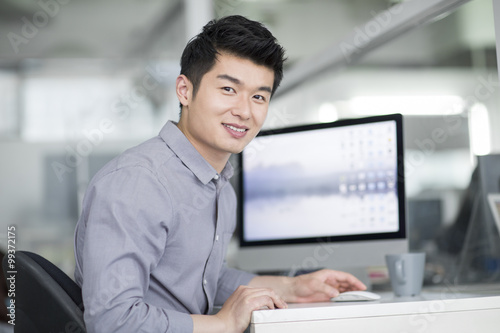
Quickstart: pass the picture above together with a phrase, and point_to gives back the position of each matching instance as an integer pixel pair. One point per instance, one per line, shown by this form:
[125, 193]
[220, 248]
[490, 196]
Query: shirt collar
[187, 153]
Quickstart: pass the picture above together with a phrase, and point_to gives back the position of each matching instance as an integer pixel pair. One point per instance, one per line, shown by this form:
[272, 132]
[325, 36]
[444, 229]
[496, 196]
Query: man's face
[229, 108]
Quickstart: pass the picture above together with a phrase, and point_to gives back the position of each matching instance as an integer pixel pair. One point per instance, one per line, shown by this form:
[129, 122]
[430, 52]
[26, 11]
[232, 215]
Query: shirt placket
[211, 272]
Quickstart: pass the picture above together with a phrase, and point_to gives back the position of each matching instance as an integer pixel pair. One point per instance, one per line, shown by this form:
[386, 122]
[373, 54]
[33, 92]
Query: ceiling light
[327, 113]
[479, 127]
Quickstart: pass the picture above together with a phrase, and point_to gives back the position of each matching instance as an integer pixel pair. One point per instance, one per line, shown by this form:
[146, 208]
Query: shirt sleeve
[126, 214]
[229, 280]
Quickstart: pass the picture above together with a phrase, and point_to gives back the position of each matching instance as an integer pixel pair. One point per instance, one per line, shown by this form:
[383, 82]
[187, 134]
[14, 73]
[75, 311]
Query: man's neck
[217, 160]
[217, 163]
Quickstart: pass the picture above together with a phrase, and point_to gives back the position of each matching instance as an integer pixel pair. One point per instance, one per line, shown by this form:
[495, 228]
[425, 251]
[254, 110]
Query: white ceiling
[82, 29]
[123, 29]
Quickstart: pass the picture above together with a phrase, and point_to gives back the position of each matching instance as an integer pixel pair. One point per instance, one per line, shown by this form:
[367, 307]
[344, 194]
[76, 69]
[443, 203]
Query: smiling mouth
[241, 130]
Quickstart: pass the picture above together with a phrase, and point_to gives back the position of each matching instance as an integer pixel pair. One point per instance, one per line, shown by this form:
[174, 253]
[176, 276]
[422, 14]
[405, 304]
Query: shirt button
[216, 177]
[216, 238]
[205, 282]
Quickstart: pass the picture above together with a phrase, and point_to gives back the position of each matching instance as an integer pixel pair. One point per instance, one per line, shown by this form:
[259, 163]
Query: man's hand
[234, 316]
[271, 292]
[321, 285]
[238, 308]
[318, 286]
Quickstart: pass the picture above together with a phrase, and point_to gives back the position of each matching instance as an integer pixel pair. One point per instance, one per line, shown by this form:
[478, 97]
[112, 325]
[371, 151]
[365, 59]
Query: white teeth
[235, 129]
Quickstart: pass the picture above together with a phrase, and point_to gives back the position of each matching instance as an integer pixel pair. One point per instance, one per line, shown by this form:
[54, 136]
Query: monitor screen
[333, 182]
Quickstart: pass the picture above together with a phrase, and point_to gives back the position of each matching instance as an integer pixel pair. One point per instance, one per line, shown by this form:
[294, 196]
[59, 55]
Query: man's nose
[243, 109]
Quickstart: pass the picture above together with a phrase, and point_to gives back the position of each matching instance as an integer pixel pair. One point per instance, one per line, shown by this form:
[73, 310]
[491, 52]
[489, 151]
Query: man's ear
[184, 89]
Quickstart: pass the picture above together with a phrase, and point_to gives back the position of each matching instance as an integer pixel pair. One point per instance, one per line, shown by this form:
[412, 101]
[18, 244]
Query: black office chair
[46, 299]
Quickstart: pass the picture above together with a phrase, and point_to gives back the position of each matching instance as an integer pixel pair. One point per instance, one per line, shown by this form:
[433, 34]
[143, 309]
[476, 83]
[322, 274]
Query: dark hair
[237, 36]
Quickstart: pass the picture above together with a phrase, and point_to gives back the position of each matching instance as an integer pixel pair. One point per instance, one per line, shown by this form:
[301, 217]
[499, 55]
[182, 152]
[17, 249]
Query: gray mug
[406, 272]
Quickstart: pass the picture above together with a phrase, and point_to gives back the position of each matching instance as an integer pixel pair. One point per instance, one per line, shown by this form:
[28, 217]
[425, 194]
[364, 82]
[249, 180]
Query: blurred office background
[80, 81]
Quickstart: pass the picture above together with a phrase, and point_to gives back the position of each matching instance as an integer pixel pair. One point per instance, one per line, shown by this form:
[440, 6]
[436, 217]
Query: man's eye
[260, 98]
[228, 89]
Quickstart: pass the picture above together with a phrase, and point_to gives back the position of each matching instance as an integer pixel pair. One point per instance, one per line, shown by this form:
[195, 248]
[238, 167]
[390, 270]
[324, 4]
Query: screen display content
[339, 181]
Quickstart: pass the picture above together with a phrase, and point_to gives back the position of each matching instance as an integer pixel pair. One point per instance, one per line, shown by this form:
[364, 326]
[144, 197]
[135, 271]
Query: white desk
[438, 312]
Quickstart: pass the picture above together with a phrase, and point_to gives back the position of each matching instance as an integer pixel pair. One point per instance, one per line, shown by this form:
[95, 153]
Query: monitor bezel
[402, 230]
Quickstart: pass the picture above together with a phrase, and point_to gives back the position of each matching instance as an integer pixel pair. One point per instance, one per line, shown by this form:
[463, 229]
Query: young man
[152, 237]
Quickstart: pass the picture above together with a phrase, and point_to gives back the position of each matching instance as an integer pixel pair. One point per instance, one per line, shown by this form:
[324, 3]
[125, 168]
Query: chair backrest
[46, 299]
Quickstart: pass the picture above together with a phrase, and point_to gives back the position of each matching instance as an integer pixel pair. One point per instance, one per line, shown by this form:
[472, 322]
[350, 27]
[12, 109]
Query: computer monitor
[322, 195]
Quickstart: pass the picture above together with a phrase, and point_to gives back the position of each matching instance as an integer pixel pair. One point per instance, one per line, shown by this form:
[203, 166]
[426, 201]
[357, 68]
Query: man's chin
[238, 147]
[236, 151]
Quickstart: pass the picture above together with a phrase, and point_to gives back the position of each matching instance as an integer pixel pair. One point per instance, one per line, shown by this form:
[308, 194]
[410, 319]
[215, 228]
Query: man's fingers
[327, 289]
[345, 281]
[263, 297]
[271, 300]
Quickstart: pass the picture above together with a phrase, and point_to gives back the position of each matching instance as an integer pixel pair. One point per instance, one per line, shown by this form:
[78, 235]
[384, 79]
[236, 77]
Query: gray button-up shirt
[151, 240]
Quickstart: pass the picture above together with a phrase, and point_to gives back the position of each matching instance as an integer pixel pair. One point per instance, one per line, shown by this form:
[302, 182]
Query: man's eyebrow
[266, 89]
[238, 82]
[229, 78]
